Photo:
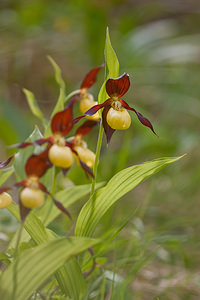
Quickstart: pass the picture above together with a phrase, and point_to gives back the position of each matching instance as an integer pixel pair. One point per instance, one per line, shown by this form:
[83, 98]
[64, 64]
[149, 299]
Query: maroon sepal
[117, 87]
[21, 183]
[73, 100]
[87, 170]
[21, 145]
[85, 128]
[6, 162]
[90, 78]
[38, 164]
[24, 211]
[4, 189]
[56, 202]
[142, 119]
[108, 130]
[62, 121]
[41, 142]
[95, 108]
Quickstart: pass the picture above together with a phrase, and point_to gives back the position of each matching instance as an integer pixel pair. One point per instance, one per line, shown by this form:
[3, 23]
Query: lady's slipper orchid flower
[115, 115]
[60, 152]
[87, 99]
[32, 193]
[80, 146]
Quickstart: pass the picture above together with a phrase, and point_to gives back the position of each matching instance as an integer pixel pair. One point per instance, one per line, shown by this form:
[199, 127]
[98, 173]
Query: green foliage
[36, 265]
[112, 64]
[58, 74]
[5, 174]
[33, 105]
[44, 260]
[67, 197]
[119, 185]
[40, 234]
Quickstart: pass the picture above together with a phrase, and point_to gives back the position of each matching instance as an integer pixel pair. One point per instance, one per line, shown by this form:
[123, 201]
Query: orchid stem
[98, 149]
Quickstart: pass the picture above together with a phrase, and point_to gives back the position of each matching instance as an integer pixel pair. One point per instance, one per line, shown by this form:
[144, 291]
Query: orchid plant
[54, 259]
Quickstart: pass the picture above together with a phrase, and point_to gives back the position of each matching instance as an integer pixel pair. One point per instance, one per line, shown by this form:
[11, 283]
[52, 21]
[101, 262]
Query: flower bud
[5, 200]
[86, 155]
[87, 101]
[61, 156]
[32, 198]
[118, 119]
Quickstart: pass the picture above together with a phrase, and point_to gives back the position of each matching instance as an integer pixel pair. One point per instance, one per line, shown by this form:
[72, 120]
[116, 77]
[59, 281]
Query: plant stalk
[98, 149]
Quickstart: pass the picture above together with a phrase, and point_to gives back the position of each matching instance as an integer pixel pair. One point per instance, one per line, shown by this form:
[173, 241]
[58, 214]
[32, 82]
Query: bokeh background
[158, 44]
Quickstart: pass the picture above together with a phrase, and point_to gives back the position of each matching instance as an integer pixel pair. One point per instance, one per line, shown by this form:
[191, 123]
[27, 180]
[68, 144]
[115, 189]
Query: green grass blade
[119, 185]
[36, 265]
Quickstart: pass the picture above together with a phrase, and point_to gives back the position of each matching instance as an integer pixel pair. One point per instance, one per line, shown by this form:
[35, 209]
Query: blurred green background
[158, 44]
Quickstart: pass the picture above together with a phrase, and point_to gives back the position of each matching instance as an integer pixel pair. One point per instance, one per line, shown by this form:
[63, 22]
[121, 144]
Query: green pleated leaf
[119, 185]
[58, 75]
[67, 197]
[112, 65]
[23, 154]
[36, 265]
[69, 277]
[33, 105]
[5, 174]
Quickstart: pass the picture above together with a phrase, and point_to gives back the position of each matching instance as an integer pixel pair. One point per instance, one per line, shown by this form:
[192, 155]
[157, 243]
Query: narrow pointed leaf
[36, 265]
[112, 65]
[119, 185]
[58, 74]
[33, 104]
[111, 58]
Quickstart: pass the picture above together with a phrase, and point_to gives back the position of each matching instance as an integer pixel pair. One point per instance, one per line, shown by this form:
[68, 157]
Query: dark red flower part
[39, 142]
[38, 164]
[4, 189]
[24, 211]
[117, 87]
[85, 128]
[6, 162]
[90, 78]
[108, 130]
[62, 121]
[56, 202]
[141, 118]
[87, 170]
